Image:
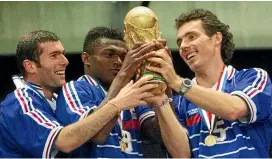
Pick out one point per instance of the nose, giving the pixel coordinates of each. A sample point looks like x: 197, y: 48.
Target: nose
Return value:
x: 118, y: 60
x: 183, y: 47
x: 64, y: 60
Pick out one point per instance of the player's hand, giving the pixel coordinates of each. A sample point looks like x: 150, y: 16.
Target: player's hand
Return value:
x: 133, y: 94
x: 155, y: 99
x: 137, y: 55
x: 166, y: 67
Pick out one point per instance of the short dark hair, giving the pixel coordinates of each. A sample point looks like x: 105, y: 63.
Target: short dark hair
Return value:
x: 211, y: 24
x: 96, y: 34
x: 28, y: 46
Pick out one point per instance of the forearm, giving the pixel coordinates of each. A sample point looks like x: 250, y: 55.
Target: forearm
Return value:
x: 173, y: 134
x: 150, y: 129
x: 116, y: 86
x: 118, y: 83
x: 74, y: 135
x: 103, y: 134
x: 221, y: 104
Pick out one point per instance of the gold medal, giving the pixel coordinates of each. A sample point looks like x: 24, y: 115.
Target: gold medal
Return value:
x: 210, y: 140
x: 123, y: 146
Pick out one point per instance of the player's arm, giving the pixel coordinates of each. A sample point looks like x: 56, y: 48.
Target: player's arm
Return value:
x: 76, y: 134
x: 130, y: 65
x: 115, y: 88
x: 221, y: 104
x: 173, y: 134
x: 77, y: 101
x: 150, y: 126
x: 244, y: 102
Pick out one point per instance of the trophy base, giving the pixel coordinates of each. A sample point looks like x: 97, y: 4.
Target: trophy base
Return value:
x: 160, y: 89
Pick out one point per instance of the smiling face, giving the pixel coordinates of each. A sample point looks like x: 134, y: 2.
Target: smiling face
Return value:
x: 106, y: 60
x: 50, y: 72
x: 195, y: 47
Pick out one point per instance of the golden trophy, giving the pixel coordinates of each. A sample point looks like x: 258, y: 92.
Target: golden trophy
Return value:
x: 141, y: 25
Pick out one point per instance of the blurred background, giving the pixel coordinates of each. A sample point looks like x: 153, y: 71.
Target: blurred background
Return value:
x: 249, y: 22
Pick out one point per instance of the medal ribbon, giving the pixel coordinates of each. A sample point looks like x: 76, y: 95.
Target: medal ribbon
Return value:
x: 209, y: 118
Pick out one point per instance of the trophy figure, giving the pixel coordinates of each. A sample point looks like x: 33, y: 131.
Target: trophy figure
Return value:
x: 141, y: 25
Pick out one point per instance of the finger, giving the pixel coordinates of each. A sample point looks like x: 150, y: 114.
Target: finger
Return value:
x: 142, y: 80
x: 137, y: 48
x: 148, y: 87
x: 168, y: 51
x: 158, y: 60
x: 162, y: 53
x: 138, y: 44
x: 154, y: 69
x: 159, y: 45
x: 146, y: 49
x: 138, y: 74
x: 145, y: 57
x: 129, y: 84
x: 162, y: 41
x: 146, y: 95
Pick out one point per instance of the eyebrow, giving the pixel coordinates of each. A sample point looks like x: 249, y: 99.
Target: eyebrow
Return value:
x: 186, y: 34
x: 57, y: 52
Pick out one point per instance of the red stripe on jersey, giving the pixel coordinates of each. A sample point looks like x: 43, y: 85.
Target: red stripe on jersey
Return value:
x: 131, y: 124
x: 70, y: 101
x: 193, y: 120
x: 50, y: 145
x: 23, y: 101
x: 260, y: 85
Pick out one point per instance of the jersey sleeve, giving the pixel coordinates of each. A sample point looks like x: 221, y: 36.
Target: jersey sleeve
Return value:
x: 29, y: 125
x: 254, y: 87
x: 76, y: 100
x: 178, y: 102
x: 143, y: 113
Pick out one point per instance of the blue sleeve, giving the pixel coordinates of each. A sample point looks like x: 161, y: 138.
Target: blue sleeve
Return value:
x: 76, y: 100
x: 178, y: 102
x: 29, y: 125
x: 254, y: 87
x: 144, y: 112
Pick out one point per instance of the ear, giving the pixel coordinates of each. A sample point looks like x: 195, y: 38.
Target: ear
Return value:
x: 85, y: 58
x: 218, y: 37
x: 30, y: 66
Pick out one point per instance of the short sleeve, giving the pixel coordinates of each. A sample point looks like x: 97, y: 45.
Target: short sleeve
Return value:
x: 143, y: 113
x: 76, y: 100
x: 29, y: 123
x: 254, y: 87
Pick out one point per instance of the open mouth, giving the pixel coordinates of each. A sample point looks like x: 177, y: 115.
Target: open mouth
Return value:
x: 60, y: 72
x: 190, y: 55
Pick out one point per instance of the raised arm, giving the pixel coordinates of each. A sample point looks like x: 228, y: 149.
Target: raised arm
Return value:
x: 74, y: 135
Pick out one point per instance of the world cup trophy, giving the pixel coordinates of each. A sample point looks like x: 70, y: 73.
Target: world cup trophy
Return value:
x: 141, y: 25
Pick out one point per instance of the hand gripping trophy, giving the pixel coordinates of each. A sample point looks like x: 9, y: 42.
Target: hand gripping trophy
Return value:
x: 141, y: 25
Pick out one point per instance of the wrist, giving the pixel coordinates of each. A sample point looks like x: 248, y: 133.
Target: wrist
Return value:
x: 117, y: 107
x: 163, y: 102
x: 122, y: 77
x: 177, y: 84
x: 185, y: 86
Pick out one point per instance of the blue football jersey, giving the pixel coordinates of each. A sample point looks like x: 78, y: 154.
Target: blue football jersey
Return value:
x: 79, y: 98
x: 28, y: 126
x: 247, y: 137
